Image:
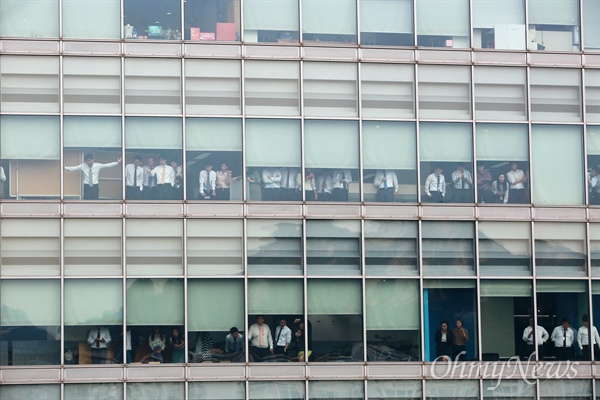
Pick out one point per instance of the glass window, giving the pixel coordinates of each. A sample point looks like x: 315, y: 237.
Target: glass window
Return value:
x: 405, y: 389
x: 508, y: 389
x: 30, y: 153
x: 595, y: 250
x: 500, y: 93
x: 92, y: 148
x: 448, y: 248
x: 92, y: 247
x: 155, y: 391
x: 388, y: 90
x: 557, y: 184
x: 30, y: 322
x: 389, y: 161
x: 554, y: 28
x: 161, y: 21
x: 274, y: 247
x: 212, y: 324
x: 271, y: 21
x: 451, y: 389
x: 560, y: 249
x: 335, y: 319
x: 336, y: 390
x: 591, y: 25
x: 91, y: 19
x: 330, y: 89
x: 391, y: 248
x: 592, y: 95
x: 444, y: 91
x: 154, y: 311
x: 213, y: 87
x: 216, y: 143
x: 216, y: 391
x: 272, y: 87
x: 333, y: 21
x: 20, y: 392
x: 593, y: 162
x: 502, y: 162
x: 154, y: 246
x: 273, y: 159
x: 92, y: 84
x: 386, y: 23
x: 209, y: 20
x: 499, y: 24
x: 214, y: 247
x: 555, y: 94
x: 504, y: 248
x: 505, y: 309
x: 104, y: 391
x: 446, y: 174
x: 334, y: 174
x: 158, y: 143
x: 579, y: 389
x: 442, y: 23
x: 152, y: 86
x: 30, y: 247
x: 392, y: 336
x: 29, y: 18
x: 29, y: 83
x: 333, y: 247
x: 93, y: 321
x: 277, y: 390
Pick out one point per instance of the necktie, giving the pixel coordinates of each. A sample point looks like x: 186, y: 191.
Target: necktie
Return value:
x: 164, y: 174
x: 565, y: 338
x: 438, y: 183
x: 385, y: 184
x: 91, y: 182
x: 262, y: 336
x: 289, y: 185
x: 98, y: 339
x: 134, y: 176
x: 278, y: 336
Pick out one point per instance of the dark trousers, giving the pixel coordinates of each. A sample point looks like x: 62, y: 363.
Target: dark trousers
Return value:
x: 563, y: 353
x: 517, y: 196
x: 530, y: 348
x: 98, y: 356
x: 291, y: 195
x: 436, y: 197
x: 456, y: 353
x: 385, y: 195
x: 280, y: 350
x: 594, y: 198
x: 461, y: 196
x: 260, y: 352
x: 339, y: 194
x: 164, y: 191
x: 223, y: 194
x: 90, y: 192
x: 133, y: 193
x: 149, y: 193
x: 271, y: 194
x: 310, y: 195
x: 325, y: 196
x: 484, y: 195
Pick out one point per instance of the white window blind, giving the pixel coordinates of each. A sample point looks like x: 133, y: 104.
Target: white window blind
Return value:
x: 444, y: 91
x: 506, y: 288
x: 443, y: 17
x: 29, y: 18
x: 272, y: 87
x: 329, y: 17
x: 273, y: 143
x: 149, y: 253
x: 152, y: 86
x: 215, y: 134
x: 591, y: 25
x: 555, y: 94
x: 500, y: 93
x: 383, y: 296
x: 30, y: 302
x: 502, y: 142
x: 593, y: 139
x: 322, y: 136
x: 92, y: 85
x: 264, y: 296
x: 592, y: 95
x: 213, y: 87
x: 93, y: 302
x: 447, y: 230
x: 83, y: 132
x: 563, y: 286
x: 386, y: 16
x: 215, y: 246
x: 29, y: 138
x: 153, y: 133
x: 271, y: 15
x: 92, y: 247
x: 445, y: 142
x: 389, y: 145
x: 215, y: 305
x: 217, y: 390
x: 388, y: 90
x: 334, y: 296
x: 330, y: 89
x: 554, y: 12
x: 490, y: 13
x: 155, y: 302
x: 91, y: 19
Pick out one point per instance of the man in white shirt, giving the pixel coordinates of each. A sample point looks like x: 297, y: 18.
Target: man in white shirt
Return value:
x: 2, y: 180
x: 98, y: 339
x: 583, y: 340
x: 165, y: 179
x: 341, y: 179
x: 291, y: 188
x: 283, y: 337
x: 91, y: 172
x: 541, y: 335
x: 435, y: 186
x: 261, y: 340
x: 325, y: 186
x: 594, y: 186
x: 516, y: 178
x: 271, y: 178
x: 149, y: 192
x: 208, y: 181
x: 462, y: 188
x: 563, y: 337
x: 134, y: 179
x: 386, y: 183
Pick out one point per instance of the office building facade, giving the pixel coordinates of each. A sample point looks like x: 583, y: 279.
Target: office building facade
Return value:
x: 369, y: 167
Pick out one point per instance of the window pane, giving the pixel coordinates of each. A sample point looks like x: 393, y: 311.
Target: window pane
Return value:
x: 333, y: 247
x: 565, y: 389
x: 91, y: 19
x: 386, y: 22
x: 212, y: 20
x: 336, y: 390
x: 555, y: 94
x: 274, y: 247
x: 92, y: 246
x: 161, y: 21
x: 271, y: 21
x: 391, y: 248
x: 277, y: 390
x: 444, y: 92
x: 154, y: 302
x: 380, y: 390
x: 155, y: 391
x: 500, y: 93
x: 508, y: 389
x: 554, y: 26
x: 448, y: 248
x: 545, y: 140
x: 272, y: 87
x: 103, y: 391
x: 261, y: 293
x: 595, y: 248
x: 591, y: 25
x: 592, y: 94
x: 499, y: 24
x: 452, y: 389
x: 29, y: 18
x: 227, y: 299
x: 442, y: 23
x: 20, y: 392
x: 154, y: 247
x: 92, y: 84
x: 152, y: 86
x: 213, y: 87
x: 214, y: 247
x: 330, y: 89
x: 560, y: 249
x: 504, y: 248
x: 216, y: 391
x: 30, y: 247
x: 388, y: 90
x: 333, y: 21
x: 29, y: 83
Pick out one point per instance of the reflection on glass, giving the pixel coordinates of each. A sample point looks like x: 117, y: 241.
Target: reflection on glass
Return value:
x: 405, y: 389
x: 216, y: 390
x: 155, y: 391
x: 210, y: 20
x: 508, y: 389
x: 271, y: 21
x: 390, y: 248
x: 107, y: 391
x: 504, y: 248
x: 444, y: 389
x: 277, y: 390
x: 442, y: 23
x: 567, y: 389
x: 336, y: 390
x: 333, y: 247
x: 448, y: 248
x: 162, y: 21
x: 554, y: 28
x: 274, y: 247
x: 20, y: 392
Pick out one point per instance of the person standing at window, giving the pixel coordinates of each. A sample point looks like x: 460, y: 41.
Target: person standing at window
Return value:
x: 98, y: 339
x: 178, y: 343
x: 460, y: 339
x: 443, y: 341
x: 386, y: 183
x: 134, y: 179
x: 223, y: 183
x: 290, y: 185
x: 500, y: 190
x: 341, y: 179
x: 177, y: 193
x: 563, y: 337
x: 149, y: 192
x: 2, y: 180
x: 593, y: 186
x: 271, y: 178
x: 254, y: 185
x: 516, y: 178
x: 588, y: 340
x: 310, y: 186
x: 435, y: 186
x: 462, y: 188
x: 541, y: 335
x: 261, y: 340
x: 283, y: 337
x: 208, y: 181
x: 165, y: 179
x: 234, y: 342
x: 484, y: 185
x: 325, y: 186
x: 157, y: 344
x: 91, y: 173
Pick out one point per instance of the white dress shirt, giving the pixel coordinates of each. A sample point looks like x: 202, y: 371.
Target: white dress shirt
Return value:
x: 149, y: 180
x: 583, y: 336
x: 593, y: 183
x: 208, y: 181
x: 285, y: 338
x: 272, y: 178
x: 96, y: 168
x: 104, y: 334
x: 513, y: 176
x: 130, y: 172
x: 338, y: 176
x: 391, y: 182
x: 255, y: 337
x: 2, y: 176
x: 169, y: 173
x: 328, y: 180
x: 431, y: 184
x: 560, y: 339
x: 289, y: 178
x: 541, y: 333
